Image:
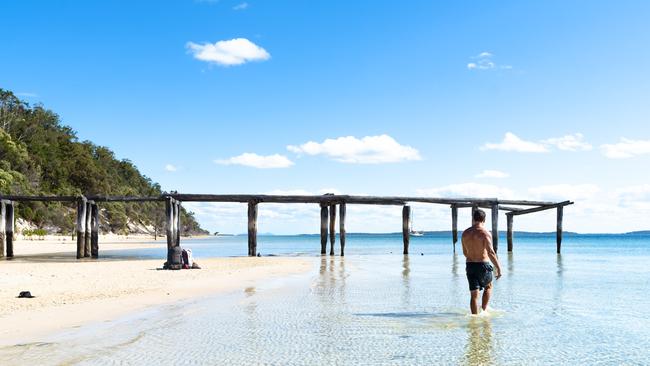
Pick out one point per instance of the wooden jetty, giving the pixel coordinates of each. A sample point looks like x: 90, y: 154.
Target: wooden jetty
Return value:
x: 87, y: 223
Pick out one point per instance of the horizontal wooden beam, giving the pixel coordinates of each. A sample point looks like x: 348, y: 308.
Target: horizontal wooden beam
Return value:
x: 125, y: 199
x: 502, y: 208
x: 41, y: 198
x: 541, y: 208
x: 320, y: 199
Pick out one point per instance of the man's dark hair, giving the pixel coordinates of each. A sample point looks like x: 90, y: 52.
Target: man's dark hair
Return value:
x: 478, y: 215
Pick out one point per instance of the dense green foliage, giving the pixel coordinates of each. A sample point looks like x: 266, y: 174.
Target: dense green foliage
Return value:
x: 40, y: 156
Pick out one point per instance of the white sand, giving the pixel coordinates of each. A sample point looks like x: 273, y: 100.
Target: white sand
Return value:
x: 70, y: 293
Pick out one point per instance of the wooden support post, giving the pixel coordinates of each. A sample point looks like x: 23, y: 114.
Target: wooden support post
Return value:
x: 94, y: 228
x: 81, y: 226
x: 323, y: 229
x: 342, y: 227
x: 495, y: 226
x: 454, y: 225
x: 332, y: 228
x: 406, y: 229
x: 9, y: 228
x: 88, y: 233
x: 252, y: 228
x: 560, y: 215
x: 3, y: 214
x: 177, y: 225
x: 169, y: 225
x: 510, y: 234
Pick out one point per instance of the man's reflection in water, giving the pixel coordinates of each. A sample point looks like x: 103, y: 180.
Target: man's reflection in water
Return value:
x: 479, y: 342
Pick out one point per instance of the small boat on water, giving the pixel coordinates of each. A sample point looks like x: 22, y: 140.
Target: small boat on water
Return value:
x: 416, y: 233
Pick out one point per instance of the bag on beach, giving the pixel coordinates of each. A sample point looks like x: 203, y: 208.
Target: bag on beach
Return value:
x: 188, y: 260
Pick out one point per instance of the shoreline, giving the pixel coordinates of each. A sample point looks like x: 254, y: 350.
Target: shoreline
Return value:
x: 70, y: 293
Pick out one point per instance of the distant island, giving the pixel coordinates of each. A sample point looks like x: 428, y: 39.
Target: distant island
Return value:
x: 41, y: 156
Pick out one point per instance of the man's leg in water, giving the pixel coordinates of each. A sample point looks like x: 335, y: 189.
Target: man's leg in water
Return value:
x: 486, y: 296
x: 473, y: 301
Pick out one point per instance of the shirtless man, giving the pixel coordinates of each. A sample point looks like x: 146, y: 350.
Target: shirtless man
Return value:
x: 477, y: 248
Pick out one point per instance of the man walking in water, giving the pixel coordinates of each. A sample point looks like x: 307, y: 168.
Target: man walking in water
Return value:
x: 478, y: 251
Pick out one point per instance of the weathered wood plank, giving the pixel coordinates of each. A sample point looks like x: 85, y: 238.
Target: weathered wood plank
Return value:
x: 169, y: 223
x: 18, y: 198
x: 94, y: 237
x: 88, y: 233
x: 9, y: 228
x: 454, y: 225
x: 81, y: 226
x: 543, y: 208
x: 3, y: 214
x: 332, y: 228
x: 342, y: 210
x: 177, y: 224
x: 509, y: 219
x: 495, y: 227
x: 560, y: 215
x: 324, y: 215
x: 252, y: 229
x: 125, y: 199
x: 406, y: 227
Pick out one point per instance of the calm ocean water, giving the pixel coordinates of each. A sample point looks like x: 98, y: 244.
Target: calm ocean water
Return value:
x: 587, y: 306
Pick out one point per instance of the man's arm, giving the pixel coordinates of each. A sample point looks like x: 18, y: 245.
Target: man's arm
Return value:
x: 492, y: 254
x: 462, y: 241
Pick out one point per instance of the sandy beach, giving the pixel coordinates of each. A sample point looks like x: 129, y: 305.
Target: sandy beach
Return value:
x: 69, y: 293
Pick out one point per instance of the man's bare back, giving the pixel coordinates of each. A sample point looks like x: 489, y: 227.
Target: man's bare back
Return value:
x: 476, y: 243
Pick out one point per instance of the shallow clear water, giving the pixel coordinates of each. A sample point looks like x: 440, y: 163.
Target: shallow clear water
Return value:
x: 587, y: 306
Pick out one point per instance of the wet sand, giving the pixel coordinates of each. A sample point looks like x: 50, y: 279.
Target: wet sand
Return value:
x: 70, y: 293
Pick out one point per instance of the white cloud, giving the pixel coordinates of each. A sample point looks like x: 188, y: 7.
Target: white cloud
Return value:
x: 562, y: 192
x: 170, y: 168
x: 242, y: 6
x: 367, y: 150
x: 573, y: 142
x: 512, y: 142
x: 626, y: 148
x: 484, y: 61
x: 634, y: 197
x: 227, y: 53
x: 257, y: 161
x: 492, y: 174
x: 462, y: 190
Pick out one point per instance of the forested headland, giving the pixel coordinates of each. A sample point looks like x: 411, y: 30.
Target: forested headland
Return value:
x: 39, y: 155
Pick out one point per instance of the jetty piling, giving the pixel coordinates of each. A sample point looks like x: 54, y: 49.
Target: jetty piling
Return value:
x: 81, y: 226
x: 324, y: 215
x: 177, y: 224
x: 88, y: 232
x: 94, y: 228
x: 332, y: 228
x: 560, y: 215
x: 252, y: 228
x: 9, y: 228
x: 3, y: 213
x: 88, y: 215
x: 169, y: 225
x: 342, y: 210
x: 406, y: 227
x: 495, y: 226
x: 454, y: 225
x: 509, y: 219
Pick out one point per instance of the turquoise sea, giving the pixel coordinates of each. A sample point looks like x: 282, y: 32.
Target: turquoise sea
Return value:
x: 375, y: 306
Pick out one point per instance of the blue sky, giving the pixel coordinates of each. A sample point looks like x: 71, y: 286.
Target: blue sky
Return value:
x: 396, y: 98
